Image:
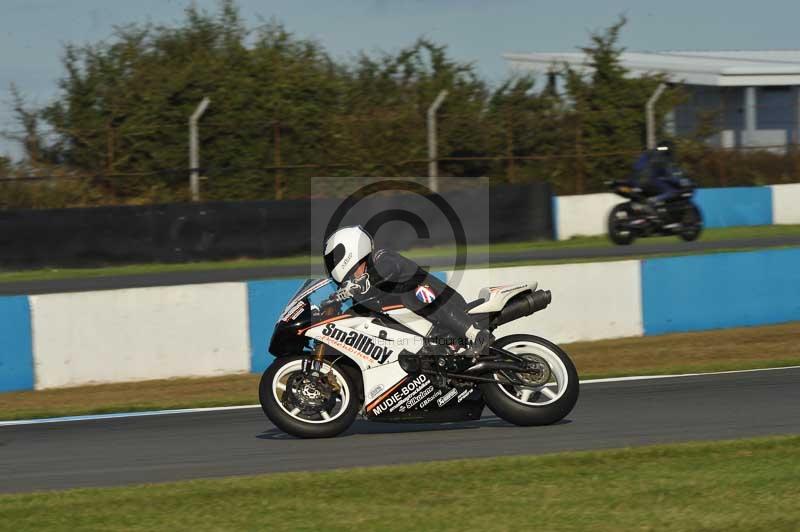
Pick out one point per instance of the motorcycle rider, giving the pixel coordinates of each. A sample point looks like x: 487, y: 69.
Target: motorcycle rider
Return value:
x: 659, y: 177
x: 382, y: 278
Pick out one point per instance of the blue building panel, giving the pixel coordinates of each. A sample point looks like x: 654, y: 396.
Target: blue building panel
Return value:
x: 720, y: 290
x: 16, y: 351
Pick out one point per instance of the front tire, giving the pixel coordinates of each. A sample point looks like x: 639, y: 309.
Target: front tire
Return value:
x: 541, y: 404
x: 619, y: 229
x: 300, y: 419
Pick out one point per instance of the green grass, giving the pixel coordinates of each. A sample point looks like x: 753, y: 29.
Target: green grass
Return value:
x: 746, y: 485
x: 577, y: 242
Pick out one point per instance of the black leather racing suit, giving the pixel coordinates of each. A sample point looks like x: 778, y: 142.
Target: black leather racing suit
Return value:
x: 396, y: 280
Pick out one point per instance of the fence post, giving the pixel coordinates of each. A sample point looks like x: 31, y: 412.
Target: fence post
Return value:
x: 194, y: 150
x: 650, y: 116
x: 433, y: 164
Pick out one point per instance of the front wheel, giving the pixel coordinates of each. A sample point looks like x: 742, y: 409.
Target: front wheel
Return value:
x: 307, y: 405
x: 619, y: 225
x: 547, y: 396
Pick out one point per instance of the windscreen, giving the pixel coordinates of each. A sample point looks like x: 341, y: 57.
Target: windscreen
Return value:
x: 314, y: 290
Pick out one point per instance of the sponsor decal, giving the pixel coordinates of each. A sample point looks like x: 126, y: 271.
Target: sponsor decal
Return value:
x: 425, y: 293
x: 463, y: 395
x: 292, y: 313
x: 295, y: 311
x: 375, y: 391
x: 506, y: 288
x: 359, y: 342
x: 446, y: 397
x: 346, y: 260
x: 430, y: 398
x: 401, y: 397
x: 511, y: 289
x: 415, y: 399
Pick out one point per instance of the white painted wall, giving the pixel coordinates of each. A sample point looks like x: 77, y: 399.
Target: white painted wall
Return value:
x: 586, y: 214
x: 786, y: 204
x: 138, y: 334
x: 591, y: 301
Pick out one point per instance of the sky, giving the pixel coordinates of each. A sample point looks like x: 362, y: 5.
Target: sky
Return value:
x: 33, y: 32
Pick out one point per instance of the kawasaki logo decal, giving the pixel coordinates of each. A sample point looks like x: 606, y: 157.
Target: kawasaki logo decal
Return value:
x: 360, y: 342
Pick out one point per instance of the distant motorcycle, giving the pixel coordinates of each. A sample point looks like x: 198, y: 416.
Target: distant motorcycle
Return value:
x: 333, y: 363
x: 635, y: 218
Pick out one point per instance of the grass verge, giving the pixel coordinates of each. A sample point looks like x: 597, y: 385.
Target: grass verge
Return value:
x: 728, y: 349
x: 728, y: 233
x: 735, y: 485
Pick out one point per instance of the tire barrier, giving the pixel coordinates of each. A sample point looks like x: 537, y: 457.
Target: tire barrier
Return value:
x: 256, y: 229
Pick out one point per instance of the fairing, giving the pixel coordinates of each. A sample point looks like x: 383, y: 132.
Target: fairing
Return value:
x: 390, y: 393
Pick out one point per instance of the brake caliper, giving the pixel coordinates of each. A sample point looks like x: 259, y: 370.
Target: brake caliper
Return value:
x: 332, y: 382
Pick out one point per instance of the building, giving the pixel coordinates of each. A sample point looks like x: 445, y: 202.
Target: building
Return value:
x: 754, y: 94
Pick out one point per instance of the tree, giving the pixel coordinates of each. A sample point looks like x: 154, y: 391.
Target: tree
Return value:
x: 283, y: 111
x: 607, y: 113
x: 526, y: 124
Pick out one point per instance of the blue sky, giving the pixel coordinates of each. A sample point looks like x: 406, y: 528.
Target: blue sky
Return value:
x: 33, y: 32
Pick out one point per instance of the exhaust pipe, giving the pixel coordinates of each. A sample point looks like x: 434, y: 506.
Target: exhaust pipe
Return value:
x: 521, y: 305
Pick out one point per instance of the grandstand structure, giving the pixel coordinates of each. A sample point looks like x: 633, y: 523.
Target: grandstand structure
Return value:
x: 754, y: 96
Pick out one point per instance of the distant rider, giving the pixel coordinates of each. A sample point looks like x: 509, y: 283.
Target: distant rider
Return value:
x: 659, y: 177
x: 384, y: 278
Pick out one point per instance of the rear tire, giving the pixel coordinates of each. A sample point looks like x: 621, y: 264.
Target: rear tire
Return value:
x: 620, y: 217
x: 271, y: 396
x: 556, y: 403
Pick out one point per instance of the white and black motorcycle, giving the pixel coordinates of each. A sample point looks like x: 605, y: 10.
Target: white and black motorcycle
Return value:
x: 332, y: 364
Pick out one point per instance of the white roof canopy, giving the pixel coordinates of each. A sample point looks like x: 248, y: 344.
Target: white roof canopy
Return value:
x: 721, y: 69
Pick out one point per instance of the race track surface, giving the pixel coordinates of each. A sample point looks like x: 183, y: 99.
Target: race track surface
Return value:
x: 242, y: 442
x: 638, y: 249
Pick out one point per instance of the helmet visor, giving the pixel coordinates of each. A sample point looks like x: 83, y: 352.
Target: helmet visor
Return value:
x: 333, y: 258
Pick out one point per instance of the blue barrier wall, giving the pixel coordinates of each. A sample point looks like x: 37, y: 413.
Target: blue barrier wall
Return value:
x: 16, y: 352
x: 554, y: 208
x: 728, y: 207
x: 721, y: 290
x: 266, y: 300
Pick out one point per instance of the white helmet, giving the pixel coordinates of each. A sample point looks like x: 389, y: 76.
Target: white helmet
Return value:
x: 344, y: 249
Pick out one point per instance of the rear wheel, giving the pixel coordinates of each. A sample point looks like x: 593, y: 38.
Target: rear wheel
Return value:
x: 305, y: 405
x: 691, y: 223
x: 549, y: 394
x: 619, y: 224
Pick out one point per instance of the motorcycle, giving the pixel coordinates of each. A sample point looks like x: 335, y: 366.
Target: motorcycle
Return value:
x: 334, y: 363
x: 636, y: 218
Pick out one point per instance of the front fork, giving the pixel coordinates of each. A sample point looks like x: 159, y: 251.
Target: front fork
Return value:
x: 319, y: 356
x: 319, y: 349
x: 313, y: 366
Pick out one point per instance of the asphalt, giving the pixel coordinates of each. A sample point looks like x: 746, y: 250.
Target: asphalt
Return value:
x: 638, y: 249
x: 243, y: 442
